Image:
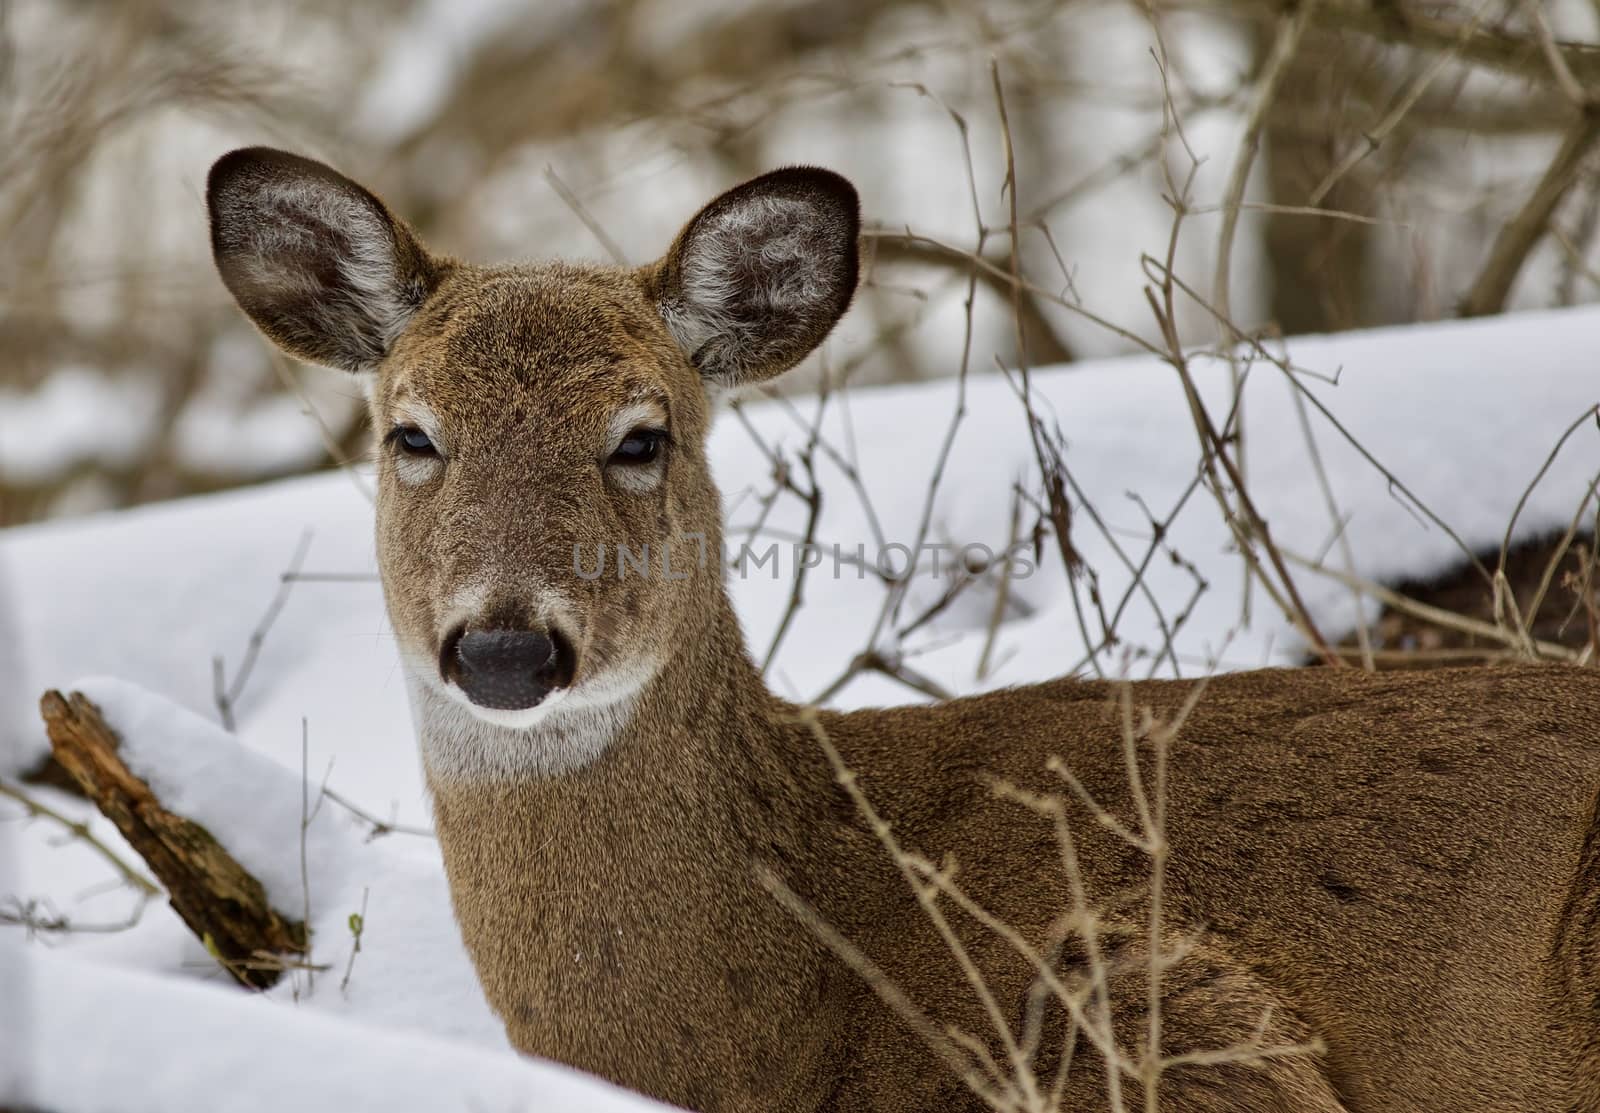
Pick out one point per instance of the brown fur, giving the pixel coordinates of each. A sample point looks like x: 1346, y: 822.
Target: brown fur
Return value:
x: 1403, y: 867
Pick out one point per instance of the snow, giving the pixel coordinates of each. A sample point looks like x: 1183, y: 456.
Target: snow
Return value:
x: 1464, y: 415
x: 93, y: 1040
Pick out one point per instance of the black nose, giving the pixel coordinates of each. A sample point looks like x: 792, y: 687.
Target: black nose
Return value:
x: 508, y: 670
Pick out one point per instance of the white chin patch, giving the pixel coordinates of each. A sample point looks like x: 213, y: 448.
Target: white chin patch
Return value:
x: 566, y: 731
x: 523, y: 718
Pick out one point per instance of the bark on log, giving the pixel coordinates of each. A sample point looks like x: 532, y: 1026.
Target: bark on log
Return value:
x: 223, y: 904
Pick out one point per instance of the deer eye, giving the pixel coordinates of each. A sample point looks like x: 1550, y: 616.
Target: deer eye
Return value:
x: 413, y: 441
x: 641, y: 446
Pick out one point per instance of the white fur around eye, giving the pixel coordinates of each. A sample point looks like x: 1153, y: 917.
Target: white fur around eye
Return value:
x: 637, y: 479
x: 414, y: 471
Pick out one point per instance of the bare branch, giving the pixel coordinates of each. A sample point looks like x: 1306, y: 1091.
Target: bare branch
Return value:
x: 1517, y: 238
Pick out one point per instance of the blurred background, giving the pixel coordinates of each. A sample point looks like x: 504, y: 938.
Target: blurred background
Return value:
x: 1407, y: 162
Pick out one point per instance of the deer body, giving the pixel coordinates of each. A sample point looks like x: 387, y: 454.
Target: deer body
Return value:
x: 1400, y: 872
x: 1411, y: 901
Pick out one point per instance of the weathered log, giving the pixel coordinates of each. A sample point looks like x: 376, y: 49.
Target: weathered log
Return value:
x: 223, y: 904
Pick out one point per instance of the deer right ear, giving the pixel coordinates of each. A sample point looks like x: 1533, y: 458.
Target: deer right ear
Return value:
x: 317, y: 262
x: 762, y: 274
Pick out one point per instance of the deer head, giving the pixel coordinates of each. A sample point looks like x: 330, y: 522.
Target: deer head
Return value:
x: 538, y: 422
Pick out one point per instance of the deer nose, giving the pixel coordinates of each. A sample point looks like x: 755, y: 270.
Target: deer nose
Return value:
x: 507, y: 670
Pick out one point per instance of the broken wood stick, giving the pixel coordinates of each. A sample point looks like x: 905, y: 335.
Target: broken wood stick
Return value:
x: 223, y: 904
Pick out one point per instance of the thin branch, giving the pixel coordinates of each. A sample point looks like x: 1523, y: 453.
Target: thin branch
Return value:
x: 1363, y: 635
x: 579, y: 210
x: 1560, y: 552
x: 380, y: 827
x: 1518, y: 237
x: 81, y: 832
x: 1416, y: 28
x: 812, y: 497
x: 225, y: 695
x: 1284, y: 48
x: 1592, y: 413
x: 358, y: 927
x: 1373, y: 139
x: 1565, y: 80
x: 305, y: 825
x: 939, y: 1042
x: 1437, y: 615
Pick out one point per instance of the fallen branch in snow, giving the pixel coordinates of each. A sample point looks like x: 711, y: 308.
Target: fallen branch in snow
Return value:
x: 223, y: 904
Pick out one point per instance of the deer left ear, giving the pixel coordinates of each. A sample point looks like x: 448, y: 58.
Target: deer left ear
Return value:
x: 317, y: 262
x: 758, y: 278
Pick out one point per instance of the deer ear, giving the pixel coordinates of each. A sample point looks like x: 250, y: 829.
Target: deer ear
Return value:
x: 317, y: 262
x: 758, y: 278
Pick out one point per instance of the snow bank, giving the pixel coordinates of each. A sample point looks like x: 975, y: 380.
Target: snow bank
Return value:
x: 412, y: 970
x: 87, y: 1039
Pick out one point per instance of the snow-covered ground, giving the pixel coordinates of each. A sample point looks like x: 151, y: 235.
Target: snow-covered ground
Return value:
x: 1463, y: 415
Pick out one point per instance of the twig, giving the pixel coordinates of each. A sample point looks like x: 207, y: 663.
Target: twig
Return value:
x: 1051, y: 466
x: 380, y: 827
x: 1373, y: 139
x: 358, y: 926
x: 1436, y: 615
x: 1253, y: 527
x: 1554, y: 563
x: 948, y: 1049
x: 1292, y: 27
x: 1301, y: 210
x: 226, y: 696
x: 1411, y: 501
x: 330, y: 578
x: 1593, y: 412
x: 81, y: 832
x: 305, y: 824
x: 1565, y: 80
x: 1002, y: 593
x: 37, y: 916
x: 812, y: 497
x: 1517, y: 237
x: 1363, y: 635
x: 330, y: 443
x: 580, y: 211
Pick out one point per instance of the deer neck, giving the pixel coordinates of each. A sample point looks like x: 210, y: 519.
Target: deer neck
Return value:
x: 611, y: 908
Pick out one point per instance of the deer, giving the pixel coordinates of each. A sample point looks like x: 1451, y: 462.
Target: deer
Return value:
x: 663, y: 872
